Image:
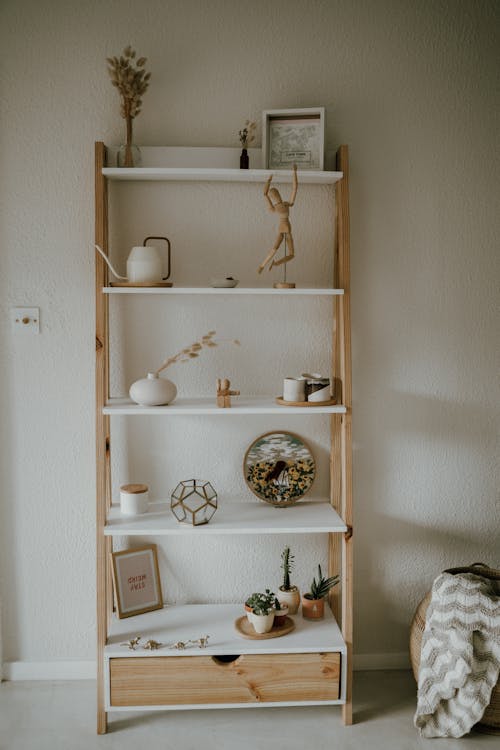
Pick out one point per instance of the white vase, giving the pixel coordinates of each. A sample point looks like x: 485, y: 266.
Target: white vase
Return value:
x: 153, y: 391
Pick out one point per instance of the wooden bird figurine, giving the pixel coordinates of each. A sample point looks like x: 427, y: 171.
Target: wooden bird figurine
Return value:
x: 224, y: 393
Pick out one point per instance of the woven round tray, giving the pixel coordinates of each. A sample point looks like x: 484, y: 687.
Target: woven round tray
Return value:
x: 490, y: 722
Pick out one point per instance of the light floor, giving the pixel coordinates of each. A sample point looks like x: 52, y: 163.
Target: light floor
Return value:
x: 60, y: 716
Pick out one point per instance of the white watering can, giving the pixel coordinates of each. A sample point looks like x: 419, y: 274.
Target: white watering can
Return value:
x: 144, y: 264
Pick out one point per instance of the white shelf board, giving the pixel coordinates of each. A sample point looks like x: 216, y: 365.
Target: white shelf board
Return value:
x: 207, y: 405
x: 310, y: 291
x: 306, y: 517
x: 218, y: 174
x: 190, y: 621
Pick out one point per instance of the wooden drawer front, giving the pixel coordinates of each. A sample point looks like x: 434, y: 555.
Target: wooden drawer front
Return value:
x: 251, y: 678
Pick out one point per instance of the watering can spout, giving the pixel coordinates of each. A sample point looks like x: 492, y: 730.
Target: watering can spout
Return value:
x: 108, y: 263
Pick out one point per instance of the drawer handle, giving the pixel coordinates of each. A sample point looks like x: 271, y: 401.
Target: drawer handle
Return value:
x: 224, y: 659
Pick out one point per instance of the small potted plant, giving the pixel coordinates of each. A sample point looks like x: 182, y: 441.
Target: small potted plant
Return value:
x: 313, y: 603
x: 288, y: 594
x: 280, y: 613
x: 262, y: 614
x: 250, y: 603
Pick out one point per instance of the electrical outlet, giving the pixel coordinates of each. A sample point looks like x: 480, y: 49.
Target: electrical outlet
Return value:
x: 25, y: 319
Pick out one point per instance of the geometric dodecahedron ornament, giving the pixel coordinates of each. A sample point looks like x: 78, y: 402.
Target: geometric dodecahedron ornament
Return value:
x: 193, y: 501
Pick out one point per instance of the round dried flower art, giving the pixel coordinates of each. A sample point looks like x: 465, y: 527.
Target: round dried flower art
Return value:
x: 279, y: 468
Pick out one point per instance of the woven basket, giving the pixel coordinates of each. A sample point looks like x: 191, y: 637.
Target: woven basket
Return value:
x: 490, y: 722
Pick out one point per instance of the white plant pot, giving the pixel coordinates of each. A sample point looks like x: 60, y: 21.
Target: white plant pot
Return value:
x: 262, y: 623
x: 290, y: 599
x: 153, y: 391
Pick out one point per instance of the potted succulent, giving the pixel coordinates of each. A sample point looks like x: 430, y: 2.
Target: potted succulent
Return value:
x: 313, y: 603
x: 250, y: 603
x: 262, y: 611
x: 288, y: 594
x: 280, y: 613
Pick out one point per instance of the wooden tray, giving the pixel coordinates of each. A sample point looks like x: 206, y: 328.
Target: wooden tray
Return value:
x: 144, y: 284
x: 281, y: 401
x: 246, y: 629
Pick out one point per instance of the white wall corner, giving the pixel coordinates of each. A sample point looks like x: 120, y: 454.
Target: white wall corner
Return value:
x: 50, y: 670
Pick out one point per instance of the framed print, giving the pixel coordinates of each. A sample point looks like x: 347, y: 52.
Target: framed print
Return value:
x: 279, y: 468
x: 136, y: 579
x: 293, y: 136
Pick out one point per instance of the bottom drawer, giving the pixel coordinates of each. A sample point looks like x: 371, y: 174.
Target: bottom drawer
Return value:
x: 249, y: 678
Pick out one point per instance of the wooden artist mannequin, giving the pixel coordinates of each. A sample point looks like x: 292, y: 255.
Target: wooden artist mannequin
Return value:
x: 282, y: 208
x: 224, y: 393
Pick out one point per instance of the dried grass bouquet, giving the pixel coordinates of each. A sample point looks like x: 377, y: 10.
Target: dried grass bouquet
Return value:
x: 129, y: 77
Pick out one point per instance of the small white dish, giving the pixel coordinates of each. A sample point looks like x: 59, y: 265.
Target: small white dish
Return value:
x: 227, y: 283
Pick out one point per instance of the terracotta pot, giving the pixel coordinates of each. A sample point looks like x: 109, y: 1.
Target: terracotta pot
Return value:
x: 313, y: 609
x: 290, y: 599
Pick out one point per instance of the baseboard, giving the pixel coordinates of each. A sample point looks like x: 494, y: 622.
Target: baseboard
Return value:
x: 86, y: 670
x: 49, y: 670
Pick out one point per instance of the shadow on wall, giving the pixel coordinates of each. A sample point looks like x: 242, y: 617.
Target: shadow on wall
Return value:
x: 8, y: 601
x: 426, y: 503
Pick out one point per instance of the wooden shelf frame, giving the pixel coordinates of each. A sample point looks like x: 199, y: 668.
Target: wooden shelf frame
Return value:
x: 340, y: 537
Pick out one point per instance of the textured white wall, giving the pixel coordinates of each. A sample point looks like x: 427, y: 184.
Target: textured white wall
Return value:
x: 412, y: 88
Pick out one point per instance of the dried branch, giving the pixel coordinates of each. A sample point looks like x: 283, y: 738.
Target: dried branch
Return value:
x: 191, y: 352
x: 247, y: 134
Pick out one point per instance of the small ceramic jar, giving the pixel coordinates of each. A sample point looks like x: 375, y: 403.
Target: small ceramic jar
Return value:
x: 134, y: 499
x: 293, y: 389
x: 318, y: 390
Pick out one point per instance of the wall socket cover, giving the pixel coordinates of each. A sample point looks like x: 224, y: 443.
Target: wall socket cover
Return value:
x: 25, y: 319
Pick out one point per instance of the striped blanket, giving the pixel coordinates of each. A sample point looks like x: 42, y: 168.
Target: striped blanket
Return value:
x: 460, y: 658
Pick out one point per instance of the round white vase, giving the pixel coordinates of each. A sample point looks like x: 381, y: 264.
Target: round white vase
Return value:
x: 153, y: 391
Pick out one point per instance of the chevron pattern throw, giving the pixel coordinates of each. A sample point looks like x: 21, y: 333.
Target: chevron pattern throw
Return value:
x: 460, y: 658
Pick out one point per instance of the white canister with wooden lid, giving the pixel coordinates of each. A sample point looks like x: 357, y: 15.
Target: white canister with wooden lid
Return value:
x: 134, y: 499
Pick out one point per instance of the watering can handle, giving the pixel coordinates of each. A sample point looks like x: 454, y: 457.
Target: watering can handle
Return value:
x: 164, y: 278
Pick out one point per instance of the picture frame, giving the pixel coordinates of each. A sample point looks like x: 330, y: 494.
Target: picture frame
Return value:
x: 136, y: 581
x: 293, y: 136
x: 279, y: 467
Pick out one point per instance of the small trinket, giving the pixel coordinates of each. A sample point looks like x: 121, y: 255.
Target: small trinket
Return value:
x: 224, y: 393
x: 201, y: 642
x: 180, y: 645
x: 132, y: 643
x: 152, y: 645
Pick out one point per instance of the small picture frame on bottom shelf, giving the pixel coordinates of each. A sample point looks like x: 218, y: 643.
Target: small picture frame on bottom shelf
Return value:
x: 136, y: 580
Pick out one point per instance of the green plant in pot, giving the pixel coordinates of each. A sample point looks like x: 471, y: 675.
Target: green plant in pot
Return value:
x: 313, y: 603
x: 251, y: 602
x: 288, y: 594
x: 280, y: 614
x: 262, y: 607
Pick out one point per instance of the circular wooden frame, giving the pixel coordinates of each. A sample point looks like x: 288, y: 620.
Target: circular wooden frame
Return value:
x: 270, y: 497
